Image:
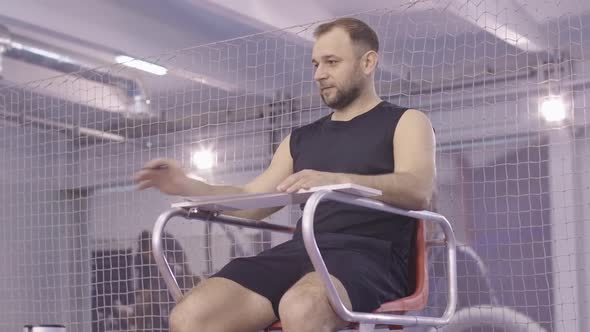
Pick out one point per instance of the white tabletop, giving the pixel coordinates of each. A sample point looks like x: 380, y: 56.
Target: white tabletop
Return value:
x: 266, y: 200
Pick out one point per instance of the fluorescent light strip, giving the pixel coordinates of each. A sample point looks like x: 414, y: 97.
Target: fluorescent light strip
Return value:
x: 141, y: 65
x: 41, y: 52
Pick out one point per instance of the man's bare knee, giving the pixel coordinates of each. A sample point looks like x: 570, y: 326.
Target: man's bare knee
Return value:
x: 298, y: 305
x: 219, y: 304
x: 305, y: 307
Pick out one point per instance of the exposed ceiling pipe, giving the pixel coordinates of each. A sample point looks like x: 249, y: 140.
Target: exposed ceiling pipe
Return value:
x: 36, y: 52
x: 69, y: 129
x: 466, y: 84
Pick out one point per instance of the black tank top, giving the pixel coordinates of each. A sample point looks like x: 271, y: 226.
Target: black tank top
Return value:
x: 362, y: 145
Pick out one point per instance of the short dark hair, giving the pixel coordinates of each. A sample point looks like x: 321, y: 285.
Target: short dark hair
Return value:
x: 358, y: 31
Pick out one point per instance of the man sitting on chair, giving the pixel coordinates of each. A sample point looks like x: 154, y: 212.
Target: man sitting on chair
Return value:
x: 364, y: 141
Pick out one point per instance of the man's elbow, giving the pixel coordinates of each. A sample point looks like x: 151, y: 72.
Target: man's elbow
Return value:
x: 421, y: 192
x: 409, y: 202
x: 425, y: 203
x: 419, y: 203
x: 422, y: 200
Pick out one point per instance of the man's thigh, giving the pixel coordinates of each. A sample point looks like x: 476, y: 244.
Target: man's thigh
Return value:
x: 226, y: 305
x: 270, y: 273
x: 311, y: 282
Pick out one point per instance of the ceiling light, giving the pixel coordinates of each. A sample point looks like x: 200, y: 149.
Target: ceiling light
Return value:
x: 553, y: 109
x: 41, y: 52
x: 203, y: 159
x: 141, y: 65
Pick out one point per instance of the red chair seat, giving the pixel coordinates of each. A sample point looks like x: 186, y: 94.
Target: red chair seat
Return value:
x: 418, y: 275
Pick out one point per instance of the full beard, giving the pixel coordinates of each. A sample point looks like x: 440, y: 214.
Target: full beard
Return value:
x: 342, y: 99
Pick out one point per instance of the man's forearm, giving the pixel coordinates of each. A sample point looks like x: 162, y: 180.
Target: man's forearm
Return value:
x: 401, y: 190
x: 192, y: 187
x: 198, y: 188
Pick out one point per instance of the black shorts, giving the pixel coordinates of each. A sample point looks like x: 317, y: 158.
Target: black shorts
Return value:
x: 371, y: 271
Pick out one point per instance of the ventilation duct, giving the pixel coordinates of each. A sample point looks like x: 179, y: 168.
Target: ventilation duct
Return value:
x: 121, y: 94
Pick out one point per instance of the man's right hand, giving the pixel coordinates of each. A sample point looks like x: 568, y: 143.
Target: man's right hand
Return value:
x: 166, y: 175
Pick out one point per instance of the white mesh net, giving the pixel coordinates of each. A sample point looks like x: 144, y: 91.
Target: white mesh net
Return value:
x: 505, y: 85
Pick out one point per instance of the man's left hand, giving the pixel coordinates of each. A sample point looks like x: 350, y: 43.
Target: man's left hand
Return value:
x: 309, y: 178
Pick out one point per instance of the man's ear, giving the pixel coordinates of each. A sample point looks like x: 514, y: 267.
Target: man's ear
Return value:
x: 369, y: 61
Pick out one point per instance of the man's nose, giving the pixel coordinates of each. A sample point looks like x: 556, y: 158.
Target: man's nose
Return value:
x: 319, y: 74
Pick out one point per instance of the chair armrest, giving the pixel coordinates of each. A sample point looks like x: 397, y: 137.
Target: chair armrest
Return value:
x: 378, y: 318
x: 158, y: 250
x: 204, y: 216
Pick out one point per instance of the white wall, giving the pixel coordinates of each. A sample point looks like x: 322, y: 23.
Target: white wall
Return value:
x: 38, y: 230
x: 581, y: 208
x: 583, y: 217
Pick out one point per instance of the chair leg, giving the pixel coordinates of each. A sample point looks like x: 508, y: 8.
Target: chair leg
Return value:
x: 366, y: 327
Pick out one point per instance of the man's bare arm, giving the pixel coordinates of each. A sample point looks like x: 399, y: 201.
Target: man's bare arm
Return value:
x: 169, y: 178
x: 413, y: 181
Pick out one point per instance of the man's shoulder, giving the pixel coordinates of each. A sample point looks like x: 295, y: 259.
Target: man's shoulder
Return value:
x: 399, y: 111
x: 414, y: 118
x: 388, y: 106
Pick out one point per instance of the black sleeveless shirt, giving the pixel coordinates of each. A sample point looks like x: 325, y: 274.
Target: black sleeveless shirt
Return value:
x: 362, y: 145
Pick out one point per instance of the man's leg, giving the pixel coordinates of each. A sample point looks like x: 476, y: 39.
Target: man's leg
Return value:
x: 305, y: 306
x: 221, y: 305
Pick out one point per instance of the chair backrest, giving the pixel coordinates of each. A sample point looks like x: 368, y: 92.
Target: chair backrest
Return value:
x: 417, y: 275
